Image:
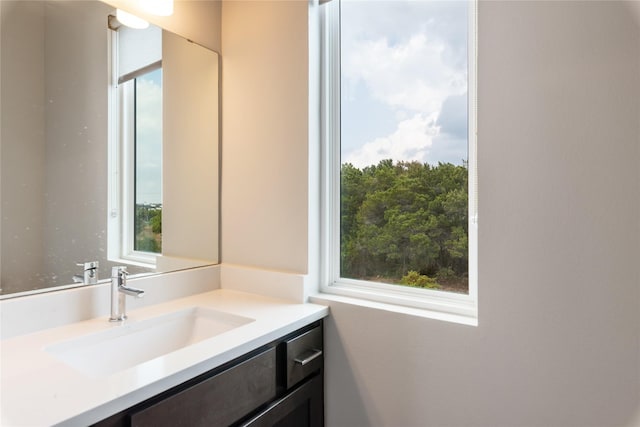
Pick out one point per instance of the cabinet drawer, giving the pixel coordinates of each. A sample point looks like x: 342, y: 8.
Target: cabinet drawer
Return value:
x: 304, y: 355
x: 303, y: 407
x: 219, y: 400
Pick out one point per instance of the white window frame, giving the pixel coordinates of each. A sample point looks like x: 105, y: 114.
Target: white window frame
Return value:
x: 440, y: 303
x: 121, y: 183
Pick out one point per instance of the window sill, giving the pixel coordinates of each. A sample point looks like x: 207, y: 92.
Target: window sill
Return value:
x: 143, y: 262
x: 327, y: 298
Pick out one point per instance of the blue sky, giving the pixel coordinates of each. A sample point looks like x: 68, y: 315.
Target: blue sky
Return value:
x: 404, y: 81
x: 149, y: 138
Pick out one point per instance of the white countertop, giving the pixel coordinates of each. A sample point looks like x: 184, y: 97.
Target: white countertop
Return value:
x: 37, y: 389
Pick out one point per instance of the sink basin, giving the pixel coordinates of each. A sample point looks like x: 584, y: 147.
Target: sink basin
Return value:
x: 132, y: 343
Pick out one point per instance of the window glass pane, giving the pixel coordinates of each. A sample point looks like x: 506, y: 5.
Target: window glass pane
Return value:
x: 148, y: 162
x: 404, y: 120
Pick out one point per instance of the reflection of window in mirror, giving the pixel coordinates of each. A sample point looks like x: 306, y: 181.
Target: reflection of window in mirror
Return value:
x: 135, y: 148
x: 147, y: 185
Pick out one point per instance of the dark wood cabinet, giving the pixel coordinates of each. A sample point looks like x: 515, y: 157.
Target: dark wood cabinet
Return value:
x: 302, y: 407
x: 217, y: 401
x: 280, y: 384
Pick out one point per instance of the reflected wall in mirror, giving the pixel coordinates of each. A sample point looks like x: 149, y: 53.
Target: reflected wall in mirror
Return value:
x: 58, y: 205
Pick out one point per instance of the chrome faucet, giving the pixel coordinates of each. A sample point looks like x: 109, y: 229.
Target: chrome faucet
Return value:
x: 90, y: 270
x: 119, y: 291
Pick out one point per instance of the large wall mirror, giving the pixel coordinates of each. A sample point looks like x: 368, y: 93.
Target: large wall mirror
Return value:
x: 80, y: 183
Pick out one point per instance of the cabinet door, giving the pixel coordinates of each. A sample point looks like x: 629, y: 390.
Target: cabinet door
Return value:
x: 302, y: 407
x: 216, y: 401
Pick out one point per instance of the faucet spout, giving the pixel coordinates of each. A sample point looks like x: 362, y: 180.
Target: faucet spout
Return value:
x: 119, y: 290
x: 133, y: 292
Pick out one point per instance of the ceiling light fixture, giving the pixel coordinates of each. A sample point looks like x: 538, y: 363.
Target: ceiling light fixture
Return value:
x: 130, y: 20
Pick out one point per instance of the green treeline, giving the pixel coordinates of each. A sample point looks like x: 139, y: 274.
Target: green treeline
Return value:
x: 148, y: 228
x: 405, y: 223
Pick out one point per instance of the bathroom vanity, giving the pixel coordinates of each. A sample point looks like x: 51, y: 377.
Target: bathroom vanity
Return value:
x: 222, y: 357
x: 278, y: 384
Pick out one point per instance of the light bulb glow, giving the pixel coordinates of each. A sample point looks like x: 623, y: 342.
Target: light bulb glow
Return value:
x: 130, y: 20
x: 157, y: 7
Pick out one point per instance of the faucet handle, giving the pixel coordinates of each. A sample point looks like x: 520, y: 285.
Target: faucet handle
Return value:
x: 88, y: 265
x: 119, y: 271
x: 119, y: 274
x: 90, y: 273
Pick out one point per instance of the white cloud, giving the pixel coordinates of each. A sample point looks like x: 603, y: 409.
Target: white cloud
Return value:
x: 411, y: 141
x: 149, y: 108
x: 149, y: 145
x: 411, y: 75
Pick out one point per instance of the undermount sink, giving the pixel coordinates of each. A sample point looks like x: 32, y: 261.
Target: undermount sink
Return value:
x: 132, y: 343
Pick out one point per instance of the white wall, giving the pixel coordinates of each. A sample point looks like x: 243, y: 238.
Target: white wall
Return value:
x: 559, y: 128
x: 264, y: 134
x: 189, y: 152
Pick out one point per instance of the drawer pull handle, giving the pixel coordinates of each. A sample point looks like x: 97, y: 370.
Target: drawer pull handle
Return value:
x: 314, y: 355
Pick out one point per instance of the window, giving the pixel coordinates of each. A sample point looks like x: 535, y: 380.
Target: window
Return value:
x: 147, y: 146
x: 400, y: 158
x: 135, y: 148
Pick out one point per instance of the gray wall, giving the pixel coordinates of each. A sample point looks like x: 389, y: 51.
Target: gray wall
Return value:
x: 23, y: 142
x: 559, y: 128
x: 53, y: 158
x: 76, y: 81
